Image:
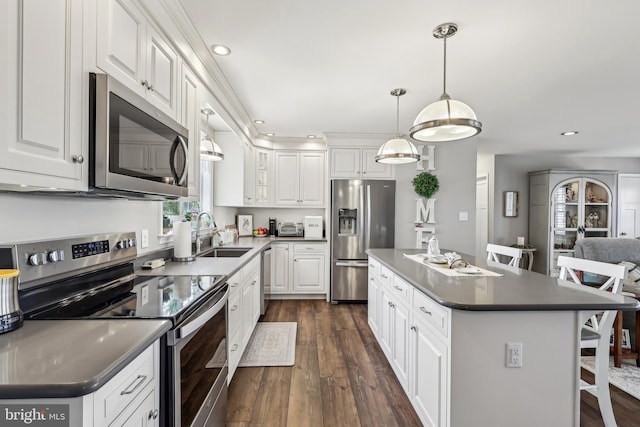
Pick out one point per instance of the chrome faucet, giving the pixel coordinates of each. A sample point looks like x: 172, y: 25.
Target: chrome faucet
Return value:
x: 213, y: 224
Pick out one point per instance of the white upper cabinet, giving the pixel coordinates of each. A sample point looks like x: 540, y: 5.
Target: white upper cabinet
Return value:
x: 357, y: 163
x: 249, y: 185
x: 130, y: 49
x: 191, y: 119
x: 264, y: 177
x: 299, y: 178
x: 229, y: 174
x: 43, y: 88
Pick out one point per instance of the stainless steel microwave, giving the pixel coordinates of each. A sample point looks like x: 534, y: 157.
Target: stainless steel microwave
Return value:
x: 135, y: 150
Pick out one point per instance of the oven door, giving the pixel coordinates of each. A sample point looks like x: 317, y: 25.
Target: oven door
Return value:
x: 198, y: 365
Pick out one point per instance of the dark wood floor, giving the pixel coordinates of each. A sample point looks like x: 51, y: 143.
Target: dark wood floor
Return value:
x: 342, y: 378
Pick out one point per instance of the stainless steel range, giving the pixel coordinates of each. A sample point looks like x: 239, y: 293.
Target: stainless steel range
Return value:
x: 93, y: 277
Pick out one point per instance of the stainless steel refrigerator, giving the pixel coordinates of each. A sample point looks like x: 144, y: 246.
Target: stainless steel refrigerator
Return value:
x: 362, y: 217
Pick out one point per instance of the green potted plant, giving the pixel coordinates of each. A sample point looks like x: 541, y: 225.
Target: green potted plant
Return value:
x: 425, y: 184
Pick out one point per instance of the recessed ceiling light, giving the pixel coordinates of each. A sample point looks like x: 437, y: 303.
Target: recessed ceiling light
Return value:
x: 311, y: 136
x: 258, y: 122
x: 569, y: 133
x: 271, y: 134
x: 220, y: 49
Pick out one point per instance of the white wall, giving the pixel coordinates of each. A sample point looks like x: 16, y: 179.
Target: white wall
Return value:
x: 27, y: 217
x: 456, y: 171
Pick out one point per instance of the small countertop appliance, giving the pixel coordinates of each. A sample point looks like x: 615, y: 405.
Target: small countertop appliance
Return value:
x: 312, y: 227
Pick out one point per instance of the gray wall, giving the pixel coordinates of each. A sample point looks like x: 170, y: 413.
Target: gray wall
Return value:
x: 510, y: 174
x: 456, y: 172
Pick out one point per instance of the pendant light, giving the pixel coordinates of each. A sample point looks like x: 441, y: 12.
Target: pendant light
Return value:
x: 209, y: 150
x: 397, y: 150
x: 445, y: 119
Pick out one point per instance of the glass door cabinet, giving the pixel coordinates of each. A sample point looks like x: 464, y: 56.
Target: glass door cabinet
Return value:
x: 580, y: 207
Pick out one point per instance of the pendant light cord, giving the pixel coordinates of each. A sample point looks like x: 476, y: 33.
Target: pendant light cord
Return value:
x: 398, y: 116
x: 444, y: 78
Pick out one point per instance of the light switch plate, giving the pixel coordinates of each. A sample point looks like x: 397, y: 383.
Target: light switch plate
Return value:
x: 145, y: 239
x: 463, y: 216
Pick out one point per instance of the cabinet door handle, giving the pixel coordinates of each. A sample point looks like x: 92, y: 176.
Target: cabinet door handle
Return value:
x: 235, y: 307
x: 140, y: 379
x: 397, y: 287
x: 424, y: 310
x: 153, y: 414
x: 235, y: 347
x: 413, y: 328
x: 77, y: 158
x: 234, y: 285
x: 253, y: 283
x: 145, y: 83
x: 383, y: 276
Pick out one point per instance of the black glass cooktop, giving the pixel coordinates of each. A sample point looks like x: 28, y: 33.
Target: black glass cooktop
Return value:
x: 167, y: 297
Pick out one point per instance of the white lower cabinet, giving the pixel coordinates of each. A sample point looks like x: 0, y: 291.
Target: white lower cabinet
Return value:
x: 413, y: 332
x: 298, y: 268
x: 132, y: 397
x: 428, y: 370
x: 374, y: 306
x: 243, y: 311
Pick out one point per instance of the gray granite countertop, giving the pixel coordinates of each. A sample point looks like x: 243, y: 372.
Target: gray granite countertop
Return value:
x: 70, y: 358
x: 202, y: 266
x: 517, y: 289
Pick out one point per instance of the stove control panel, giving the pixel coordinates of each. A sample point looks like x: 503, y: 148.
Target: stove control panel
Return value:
x: 41, y: 262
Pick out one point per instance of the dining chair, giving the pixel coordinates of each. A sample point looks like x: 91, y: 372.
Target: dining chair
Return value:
x: 493, y: 252
x: 596, y: 331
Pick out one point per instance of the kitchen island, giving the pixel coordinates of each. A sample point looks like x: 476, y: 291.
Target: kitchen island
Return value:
x: 447, y: 340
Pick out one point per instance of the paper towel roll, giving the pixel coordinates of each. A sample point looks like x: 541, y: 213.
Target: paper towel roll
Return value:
x: 182, y: 239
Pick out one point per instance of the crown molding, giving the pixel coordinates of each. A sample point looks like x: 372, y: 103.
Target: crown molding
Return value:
x: 179, y: 28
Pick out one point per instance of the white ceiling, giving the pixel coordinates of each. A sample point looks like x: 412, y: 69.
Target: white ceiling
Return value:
x: 529, y: 69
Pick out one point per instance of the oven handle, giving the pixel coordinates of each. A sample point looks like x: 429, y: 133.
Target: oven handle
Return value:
x: 199, y: 321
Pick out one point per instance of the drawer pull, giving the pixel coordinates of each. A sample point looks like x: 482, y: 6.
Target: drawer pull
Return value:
x: 397, y: 287
x: 140, y: 380
x: 424, y: 310
x: 383, y: 276
x: 235, y: 347
x: 234, y: 284
x: 253, y: 283
x: 391, y: 304
x: 153, y: 414
x: 235, y: 307
x: 413, y: 328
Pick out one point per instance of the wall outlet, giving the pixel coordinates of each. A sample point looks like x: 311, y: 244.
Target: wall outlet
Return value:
x: 514, y: 355
x: 144, y: 236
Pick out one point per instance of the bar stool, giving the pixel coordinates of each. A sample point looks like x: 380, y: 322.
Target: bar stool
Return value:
x: 596, y: 332
x: 494, y: 250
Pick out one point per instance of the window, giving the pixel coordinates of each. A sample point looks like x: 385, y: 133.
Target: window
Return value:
x: 181, y: 210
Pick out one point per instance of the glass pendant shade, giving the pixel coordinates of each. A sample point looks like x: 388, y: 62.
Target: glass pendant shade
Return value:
x: 445, y: 120
x: 397, y: 151
x: 209, y: 150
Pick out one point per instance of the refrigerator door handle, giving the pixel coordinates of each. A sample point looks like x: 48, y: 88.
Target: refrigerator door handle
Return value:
x: 368, y: 231
x: 361, y: 221
x: 352, y: 264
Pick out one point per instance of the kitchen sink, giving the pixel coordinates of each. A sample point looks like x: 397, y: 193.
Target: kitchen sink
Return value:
x: 226, y: 252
